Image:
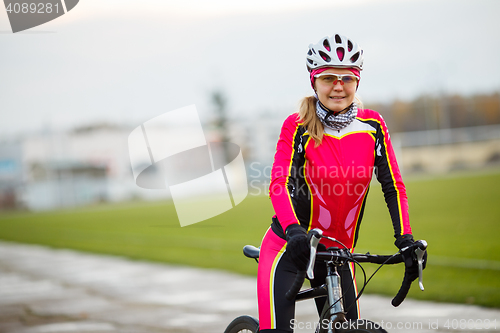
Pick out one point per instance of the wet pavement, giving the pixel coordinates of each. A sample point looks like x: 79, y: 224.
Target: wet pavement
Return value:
x: 44, y: 290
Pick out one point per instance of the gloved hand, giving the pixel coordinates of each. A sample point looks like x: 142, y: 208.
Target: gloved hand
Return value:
x: 297, y: 246
x: 410, y: 259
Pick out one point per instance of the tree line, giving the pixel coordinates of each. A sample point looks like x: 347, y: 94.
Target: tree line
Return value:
x: 438, y: 112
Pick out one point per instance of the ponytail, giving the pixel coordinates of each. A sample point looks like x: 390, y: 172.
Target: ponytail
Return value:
x: 307, y: 114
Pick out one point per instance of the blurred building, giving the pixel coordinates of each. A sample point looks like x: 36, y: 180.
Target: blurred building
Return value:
x: 51, y: 170
x: 448, y: 150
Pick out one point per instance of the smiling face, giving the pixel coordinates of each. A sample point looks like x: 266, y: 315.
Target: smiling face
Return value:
x: 338, y: 96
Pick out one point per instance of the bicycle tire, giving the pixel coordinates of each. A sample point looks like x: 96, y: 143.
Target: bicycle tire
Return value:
x: 362, y: 326
x: 243, y: 324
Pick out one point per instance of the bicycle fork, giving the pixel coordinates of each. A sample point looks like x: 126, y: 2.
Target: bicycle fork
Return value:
x: 334, y: 297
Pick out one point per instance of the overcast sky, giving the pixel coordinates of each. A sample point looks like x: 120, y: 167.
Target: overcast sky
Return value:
x: 127, y: 61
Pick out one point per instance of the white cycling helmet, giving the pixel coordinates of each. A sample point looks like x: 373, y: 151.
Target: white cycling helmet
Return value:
x: 334, y: 51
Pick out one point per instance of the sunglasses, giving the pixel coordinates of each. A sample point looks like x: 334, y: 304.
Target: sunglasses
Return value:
x: 332, y: 79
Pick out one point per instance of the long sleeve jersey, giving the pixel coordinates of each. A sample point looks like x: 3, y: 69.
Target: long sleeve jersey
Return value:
x: 326, y: 186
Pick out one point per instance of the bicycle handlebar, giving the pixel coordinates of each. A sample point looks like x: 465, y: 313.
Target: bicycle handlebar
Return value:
x: 419, y: 248
x: 403, y: 291
x: 297, y: 284
x: 316, y: 234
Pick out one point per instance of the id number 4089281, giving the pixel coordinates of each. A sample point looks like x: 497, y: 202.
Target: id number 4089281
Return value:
x: 38, y: 8
x: 456, y: 324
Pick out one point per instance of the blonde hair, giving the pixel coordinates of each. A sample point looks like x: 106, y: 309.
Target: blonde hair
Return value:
x: 311, y: 122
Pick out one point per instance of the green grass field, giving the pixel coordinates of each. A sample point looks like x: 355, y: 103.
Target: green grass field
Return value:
x: 459, y: 217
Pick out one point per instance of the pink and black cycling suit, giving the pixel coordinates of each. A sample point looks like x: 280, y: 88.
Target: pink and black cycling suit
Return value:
x: 324, y: 187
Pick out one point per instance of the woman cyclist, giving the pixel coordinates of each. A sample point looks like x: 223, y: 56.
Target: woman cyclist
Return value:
x: 325, y: 157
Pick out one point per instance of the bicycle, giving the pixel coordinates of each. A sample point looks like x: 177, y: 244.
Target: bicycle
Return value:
x: 333, y: 311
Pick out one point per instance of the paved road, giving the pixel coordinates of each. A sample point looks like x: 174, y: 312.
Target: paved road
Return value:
x: 43, y: 290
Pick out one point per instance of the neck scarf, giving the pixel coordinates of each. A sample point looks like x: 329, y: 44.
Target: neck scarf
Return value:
x: 339, y: 121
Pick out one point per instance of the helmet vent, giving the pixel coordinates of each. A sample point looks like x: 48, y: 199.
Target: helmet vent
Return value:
x: 310, y: 52
x: 340, y: 53
x: 338, y: 40
x: 326, y: 44
x: 310, y: 61
x: 355, y: 57
x: 325, y: 56
x: 349, y: 46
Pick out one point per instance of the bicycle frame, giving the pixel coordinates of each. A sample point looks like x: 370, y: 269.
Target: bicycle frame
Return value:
x: 332, y: 288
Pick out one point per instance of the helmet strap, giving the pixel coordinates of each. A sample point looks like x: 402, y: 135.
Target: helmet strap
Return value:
x: 330, y: 112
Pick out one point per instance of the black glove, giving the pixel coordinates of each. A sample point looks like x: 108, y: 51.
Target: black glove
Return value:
x: 409, y: 256
x: 297, y: 246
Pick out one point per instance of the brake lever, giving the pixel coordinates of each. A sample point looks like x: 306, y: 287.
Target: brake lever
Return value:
x: 316, y: 235
x: 420, y: 260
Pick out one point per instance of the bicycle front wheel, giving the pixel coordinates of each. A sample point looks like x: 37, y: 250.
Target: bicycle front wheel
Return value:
x: 243, y: 324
